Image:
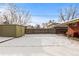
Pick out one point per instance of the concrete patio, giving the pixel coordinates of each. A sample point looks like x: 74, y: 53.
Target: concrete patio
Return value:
x: 40, y: 45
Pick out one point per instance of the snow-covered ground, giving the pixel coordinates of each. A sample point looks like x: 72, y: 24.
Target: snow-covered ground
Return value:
x: 40, y: 44
x: 5, y: 38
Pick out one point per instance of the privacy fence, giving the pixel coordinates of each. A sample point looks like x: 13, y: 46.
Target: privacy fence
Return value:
x: 55, y: 30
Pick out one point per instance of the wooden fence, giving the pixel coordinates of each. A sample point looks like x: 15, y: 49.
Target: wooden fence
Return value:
x: 56, y: 30
x: 39, y: 31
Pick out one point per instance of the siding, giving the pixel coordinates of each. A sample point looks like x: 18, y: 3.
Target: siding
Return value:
x: 11, y: 30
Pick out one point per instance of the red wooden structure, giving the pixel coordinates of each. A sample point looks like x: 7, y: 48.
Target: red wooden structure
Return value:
x: 73, y: 28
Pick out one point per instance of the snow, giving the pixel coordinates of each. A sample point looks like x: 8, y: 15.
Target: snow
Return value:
x: 4, y: 38
x: 40, y: 44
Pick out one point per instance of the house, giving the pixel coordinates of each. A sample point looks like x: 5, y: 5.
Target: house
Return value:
x: 73, y: 28
x: 49, y: 24
x: 56, y: 27
x: 37, y: 26
x: 60, y: 28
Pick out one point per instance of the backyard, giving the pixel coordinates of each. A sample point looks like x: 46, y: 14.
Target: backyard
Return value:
x: 40, y: 44
x: 38, y: 29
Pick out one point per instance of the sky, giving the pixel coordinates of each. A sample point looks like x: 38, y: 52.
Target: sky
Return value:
x: 43, y: 12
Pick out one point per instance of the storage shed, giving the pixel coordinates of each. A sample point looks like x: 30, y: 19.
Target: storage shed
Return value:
x: 12, y: 30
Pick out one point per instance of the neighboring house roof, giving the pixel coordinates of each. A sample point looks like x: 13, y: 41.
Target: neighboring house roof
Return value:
x: 60, y: 25
x: 72, y: 21
x: 50, y: 24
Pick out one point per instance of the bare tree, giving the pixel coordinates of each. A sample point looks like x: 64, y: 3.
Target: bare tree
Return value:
x: 24, y: 16
x: 67, y: 14
x: 6, y: 20
x: 16, y: 15
x: 37, y: 26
